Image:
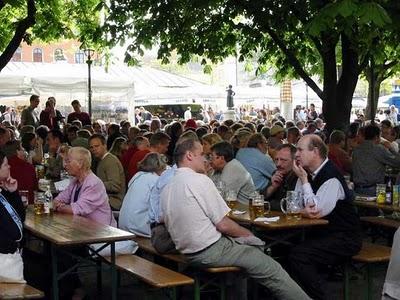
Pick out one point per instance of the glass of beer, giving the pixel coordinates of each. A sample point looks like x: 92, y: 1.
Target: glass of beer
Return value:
x: 221, y: 187
x: 39, y: 171
x: 38, y: 205
x: 258, y: 206
x: 231, y: 199
x: 294, y: 205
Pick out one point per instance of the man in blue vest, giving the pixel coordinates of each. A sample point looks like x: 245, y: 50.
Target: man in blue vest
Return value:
x: 327, y: 196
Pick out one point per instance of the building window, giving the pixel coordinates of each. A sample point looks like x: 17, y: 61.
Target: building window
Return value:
x: 37, y: 55
x: 59, y: 55
x: 17, y: 55
x: 79, y: 57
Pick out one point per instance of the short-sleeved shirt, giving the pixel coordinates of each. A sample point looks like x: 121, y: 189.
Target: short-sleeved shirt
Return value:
x: 192, y: 206
x: 237, y: 179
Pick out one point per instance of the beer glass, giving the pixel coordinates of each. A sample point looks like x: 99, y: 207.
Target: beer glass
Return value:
x: 231, y: 199
x: 258, y: 206
x: 294, y: 205
x: 38, y: 204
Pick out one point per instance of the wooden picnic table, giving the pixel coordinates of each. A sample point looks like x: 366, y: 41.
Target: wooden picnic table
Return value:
x: 374, y: 205
x: 63, y: 230
x: 281, y: 224
x: 382, y: 221
x: 276, y: 232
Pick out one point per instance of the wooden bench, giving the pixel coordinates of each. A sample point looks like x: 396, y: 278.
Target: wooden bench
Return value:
x: 369, y: 255
x: 19, y: 291
x: 380, y: 221
x: 151, y: 273
x: 146, y: 246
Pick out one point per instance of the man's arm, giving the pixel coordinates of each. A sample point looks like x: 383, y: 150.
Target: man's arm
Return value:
x: 231, y: 228
x: 276, y: 182
x: 388, y: 157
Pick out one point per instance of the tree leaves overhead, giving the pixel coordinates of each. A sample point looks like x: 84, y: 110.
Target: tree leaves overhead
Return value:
x: 50, y: 20
x: 300, y: 38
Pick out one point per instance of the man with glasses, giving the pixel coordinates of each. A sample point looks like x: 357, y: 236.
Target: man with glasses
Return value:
x: 231, y: 172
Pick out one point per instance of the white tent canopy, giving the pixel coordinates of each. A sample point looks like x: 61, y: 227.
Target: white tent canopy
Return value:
x: 131, y: 86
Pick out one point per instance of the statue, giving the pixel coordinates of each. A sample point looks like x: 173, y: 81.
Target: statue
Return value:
x: 229, y: 97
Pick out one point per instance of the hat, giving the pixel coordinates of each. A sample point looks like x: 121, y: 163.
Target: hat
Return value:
x: 191, y: 124
x: 276, y: 129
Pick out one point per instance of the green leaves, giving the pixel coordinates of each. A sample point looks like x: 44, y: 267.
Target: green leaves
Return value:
x: 55, y: 19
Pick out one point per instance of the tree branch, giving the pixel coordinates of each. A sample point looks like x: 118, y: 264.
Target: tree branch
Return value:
x: 302, y: 20
x: 20, y: 31
x: 390, y: 65
x: 295, y: 63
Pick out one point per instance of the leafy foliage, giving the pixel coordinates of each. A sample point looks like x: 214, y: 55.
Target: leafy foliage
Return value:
x: 301, y: 38
x: 48, y: 20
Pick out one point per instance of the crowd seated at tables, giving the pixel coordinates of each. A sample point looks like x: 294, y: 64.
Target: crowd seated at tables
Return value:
x: 162, y: 178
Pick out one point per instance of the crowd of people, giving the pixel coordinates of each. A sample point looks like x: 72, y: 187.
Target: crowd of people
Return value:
x: 165, y: 181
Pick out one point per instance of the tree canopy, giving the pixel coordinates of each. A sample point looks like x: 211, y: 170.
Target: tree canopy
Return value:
x: 47, y: 20
x: 334, y: 39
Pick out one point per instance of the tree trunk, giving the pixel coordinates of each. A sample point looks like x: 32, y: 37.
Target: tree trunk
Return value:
x: 337, y: 104
x: 19, y: 34
x: 372, y: 102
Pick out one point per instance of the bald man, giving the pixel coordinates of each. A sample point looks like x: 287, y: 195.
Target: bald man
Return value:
x: 326, y: 196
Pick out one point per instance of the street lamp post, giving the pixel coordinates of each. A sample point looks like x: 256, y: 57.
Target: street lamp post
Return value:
x: 89, y: 53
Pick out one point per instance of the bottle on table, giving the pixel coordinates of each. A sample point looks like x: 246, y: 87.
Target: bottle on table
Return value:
x: 389, y: 192
x: 48, y: 201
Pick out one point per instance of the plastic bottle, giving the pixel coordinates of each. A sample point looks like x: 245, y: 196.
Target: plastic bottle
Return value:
x: 389, y: 193
x: 48, y: 201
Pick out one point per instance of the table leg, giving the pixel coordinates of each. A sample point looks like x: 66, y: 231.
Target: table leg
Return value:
x: 113, y: 273
x: 54, y: 273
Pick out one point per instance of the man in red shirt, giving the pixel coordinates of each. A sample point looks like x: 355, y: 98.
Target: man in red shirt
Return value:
x: 20, y: 169
x: 158, y: 143
x: 78, y: 114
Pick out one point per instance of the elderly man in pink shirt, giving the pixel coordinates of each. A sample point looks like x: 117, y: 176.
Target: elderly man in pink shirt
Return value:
x: 86, y: 195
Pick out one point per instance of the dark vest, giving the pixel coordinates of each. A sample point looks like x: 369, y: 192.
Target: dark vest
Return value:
x: 344, y: 217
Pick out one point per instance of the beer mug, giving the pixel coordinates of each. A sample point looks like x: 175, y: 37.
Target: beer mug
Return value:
x: 231, y: 199
x: 294, y: 205
x: 40, y: 171
x: 38, y: 204
x: 221, y: 187
x: 258, y: 206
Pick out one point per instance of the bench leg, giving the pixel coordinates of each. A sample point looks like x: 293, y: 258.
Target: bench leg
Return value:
x: 99, y: 277
x: 173, y: 293
x: 196, y: 288
x: 346, y: 285
x: 369, y: 281
x: 222, y: 287
x: 54, y: 272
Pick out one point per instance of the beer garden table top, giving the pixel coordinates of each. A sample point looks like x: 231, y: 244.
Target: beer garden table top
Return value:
x: 282, y: 223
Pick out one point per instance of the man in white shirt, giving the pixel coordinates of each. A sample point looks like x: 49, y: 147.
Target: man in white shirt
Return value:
x: 196, y: 217
x: 327, y: 196
x: 188, y: 114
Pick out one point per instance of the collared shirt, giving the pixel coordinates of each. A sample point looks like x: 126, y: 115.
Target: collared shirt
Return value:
x: 192, y: 207
x: 370, y: 161
x: 154, y: 208
x: 327, y: 195
x: 134, y: 213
